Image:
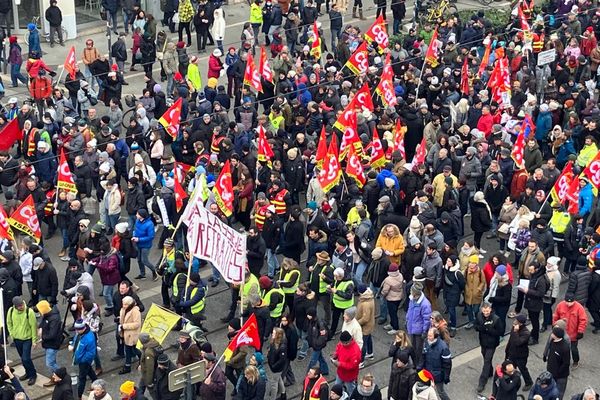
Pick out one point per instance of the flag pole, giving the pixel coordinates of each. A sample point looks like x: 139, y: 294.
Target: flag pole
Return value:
x: 3, y: 325
x: 242, y: 296
x: 217, y: 363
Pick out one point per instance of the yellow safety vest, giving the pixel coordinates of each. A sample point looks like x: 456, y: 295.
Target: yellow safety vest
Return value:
x: 288, y: 278
x: 279, y: 203
x: 175, y: 286
x: 247, y: 286
x: 277, y: 311
x: 322, y: 283
x: 559, y: 221
x: 338, y: 301
x: 199, y: 306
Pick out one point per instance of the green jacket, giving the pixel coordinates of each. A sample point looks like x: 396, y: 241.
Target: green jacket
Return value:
x: 256, y: 15
x: 22, y: 325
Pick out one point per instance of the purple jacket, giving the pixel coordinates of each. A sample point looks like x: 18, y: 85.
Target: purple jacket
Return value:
x: 417, y: 317
x: 14, y: 56
x: 108, y: 267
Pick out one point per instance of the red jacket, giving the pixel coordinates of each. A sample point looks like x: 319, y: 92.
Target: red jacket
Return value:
x: 348, y: 357
x: 34, y: 66
x: 485, y: 124
x: 574, y: 315
x: 488, y: 272
x: 214, y: 67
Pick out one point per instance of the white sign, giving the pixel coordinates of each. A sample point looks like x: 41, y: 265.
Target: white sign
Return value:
x: 210, y: 239
x: 546, y: 57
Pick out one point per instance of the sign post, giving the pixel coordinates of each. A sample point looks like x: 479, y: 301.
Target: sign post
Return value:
x: 186, y: 377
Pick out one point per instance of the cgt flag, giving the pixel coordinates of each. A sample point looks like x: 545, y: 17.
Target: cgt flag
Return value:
x: 378, y: 34
x: 315, y: 50
x: 561, y: 187
x: 399, y: 133
x: 171, y: 119
x: 321, y: 148
x: 65, y: 178
x: 265, y: 152
x: 223, y: 190
x: 25, y: 219
x: 263, y: 66
x: 363, y: 98
x: 252, y: 75
x: 71, y: 62
x: 377, y: 154
x: 358, y: 62
x: 592, y: 171
x: 5, y: 229
x: 10, y: 135
x: 180, y: 195
x: 246, y: 336
x: 354, y: 168
x: 518, y: 149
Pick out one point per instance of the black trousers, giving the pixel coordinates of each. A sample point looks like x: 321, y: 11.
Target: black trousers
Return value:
x: 488, y: 370
x: 521, y: 364
x: 186, y: 26
x: 575, y: 351
x: 534, y: 317
x: 85, y: 370
x: 336, y: 314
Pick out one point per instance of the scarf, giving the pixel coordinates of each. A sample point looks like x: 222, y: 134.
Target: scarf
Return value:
x: 365, y: 392
x: 493, y: 288
x: 467, y: 252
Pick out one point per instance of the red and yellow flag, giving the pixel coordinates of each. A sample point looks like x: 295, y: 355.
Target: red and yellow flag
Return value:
x: 385, y: 89
x: 321, y: 148
x: 71, y: 62
x: 358, y: 62
x: 315, y: 50
x: 518, y: 149
x: 330, y: 175
x: 265, y: 152
x: 5, y: 229
x: 65, y: 178
x: 263, y: 66
x: 251, y: 75
x: 246, y: 336
x: 399, y: 132
x: 223, y: 190
x: 354, y: 168
x: 431, y: 56
x: 171, y: 118
x: 25, y: 219
x: 180, y: 194
x: 363, y: 98
x: 377, y: 33
x: 377, y: 153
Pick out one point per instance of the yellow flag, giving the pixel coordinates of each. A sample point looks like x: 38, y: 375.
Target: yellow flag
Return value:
x: 158, y: 323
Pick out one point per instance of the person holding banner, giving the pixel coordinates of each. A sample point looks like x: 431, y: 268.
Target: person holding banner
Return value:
x: 193, y: 300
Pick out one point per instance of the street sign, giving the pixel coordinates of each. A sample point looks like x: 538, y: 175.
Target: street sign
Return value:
x: 546, y: 57
x: 190, y: 374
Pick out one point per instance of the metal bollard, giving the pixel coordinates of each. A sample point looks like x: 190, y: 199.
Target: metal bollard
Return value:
x: 74, y: 383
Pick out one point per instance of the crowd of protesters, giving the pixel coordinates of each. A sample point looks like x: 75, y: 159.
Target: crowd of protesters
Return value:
x: 393, y: 252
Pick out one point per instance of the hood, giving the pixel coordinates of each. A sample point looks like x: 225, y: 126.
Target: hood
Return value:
x: 367, y: 295
x: 171, y: 46
x: 218, y: 13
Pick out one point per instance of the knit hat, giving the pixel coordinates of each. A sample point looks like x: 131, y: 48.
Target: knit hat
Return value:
x: 43, y: 307
x: 85, y: 222
x: 128, y: 387
x: 569, y: 297
x: 474, y: 259
x: 501, y: 269
x: 79, y: 324
x: 265, y: 282
x: 377, y: 253
x: 17, y: 301
x: 393, y: 267
x: 121, y: 227
x: 162, y: 359
x: 425, y: 376
x: 558, y: 332
x: 206, y: 347
x: 212, y: 83
x: 97, y: 228
x: 61, y: 372
x: 414, y: 241
x: 345, y: 337
x: 144, y: 338
x: 195, y: 277
x: 521, y: 318
x: 338, y: 389
x: 362, y: 288
x: 553, y: 260
x: 384, y: 199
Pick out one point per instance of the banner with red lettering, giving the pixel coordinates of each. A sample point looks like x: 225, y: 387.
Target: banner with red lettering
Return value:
x: 592, y: 171
x: 65, y: 178
x: 354, y: 168
x: 251, y: 74
x: 25, y: 219
x: 5, y: 229
x: 171, y: 118
x: 378, y: 34
x: 210, y: 239
x: 223, y: 190
x: 358, y: 62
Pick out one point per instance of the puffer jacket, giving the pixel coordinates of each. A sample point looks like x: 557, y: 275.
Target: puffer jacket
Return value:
x: 437, y: 359
x: 517, y: 347
x: 377, y: 271
x: 348, y: 357
x: 417, y: 317
x: 365, y: 312
x: 393, y: 287
x: 432, y: 266
x: 170, y: 59
x: 579, y: 283
x: 470, y: 171
x: 108, y: 267
x: 575, y: 316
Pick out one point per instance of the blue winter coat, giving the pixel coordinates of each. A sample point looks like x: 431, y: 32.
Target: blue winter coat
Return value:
x: 46, y: 166
x: 437, y: 359
x: 417, y: 317
x: 85, y: 348
x: 144, y: 231
x: 34, y: 42
x: 564, y: 152
x: 543, y: 124
x: 387, y: 174
x: 586, y: 198
x: 549, y: 393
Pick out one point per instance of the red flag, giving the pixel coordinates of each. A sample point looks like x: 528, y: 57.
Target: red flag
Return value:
x: 518, y: 149
x: 354, y: 168
x: 171, y: 118
x: 263, y: 66
x: 251, y: 75
x: 431, y: 56
x: 464, y: 78
x: 25, y: 219
x: 5, y: 229
x: 592, y: 171
x: 71, y: 62
x: 524, y: 24
x: 358, y: 62
x: 572, y: 194
x: 561, y: 186
x: 377, y: 153
x: 378, y: 34
x: 180, y: 194
x: 499, y: 82
x: 65, y: 178
x: 363, y: 98
x: 485, y: 60
x: 10, y: 135
x: 315, y: 50
x: 350, y: 130
x: 223, y: 190
x: 385, y: 89
x: 247, y: 336
x: 329, y: 176
x: 321, y: 147
x: 399, y: 133
x: 420, y: 153
x: 265, y: 152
